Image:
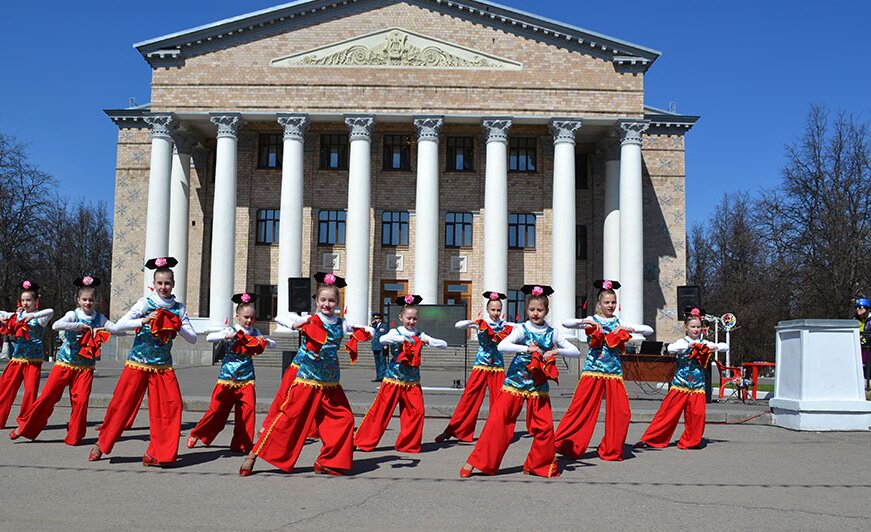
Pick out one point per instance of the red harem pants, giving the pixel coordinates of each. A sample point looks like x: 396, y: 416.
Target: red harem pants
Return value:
x: 661, y: 429
x: 576, y: 428
x: 462, y: 423
x: 280, y: 396
x: 411, y: 410
x: 225, y: 398
x: 499, y: 431
x: 79, y: 380
x: 18, y: 370
x: 164, y: 410
x: 306, y: 404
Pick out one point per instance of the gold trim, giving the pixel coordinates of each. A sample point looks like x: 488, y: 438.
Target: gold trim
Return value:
x: 551, y: 471
x: 147, y: 367
x: 36, y: 361
x: 488, y: 369
x: 314, y: 384
x: 401, y: 384
x: 683, y: 389
x: 523, y: 393
x: 600, y: 375
x: 268, y: 432
x: 73, y: 367
x: 235, y: 384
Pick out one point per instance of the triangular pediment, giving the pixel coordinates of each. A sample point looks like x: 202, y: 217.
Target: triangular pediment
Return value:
x: 396, y: 48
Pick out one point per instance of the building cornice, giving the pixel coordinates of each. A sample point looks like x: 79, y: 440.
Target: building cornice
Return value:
x: 171, y: 50
x: 668, y: 122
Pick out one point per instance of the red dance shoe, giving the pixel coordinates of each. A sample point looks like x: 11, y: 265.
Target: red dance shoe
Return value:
x: 324, y: 470
x: 192, y: 442
x: 246, y: 472
x: 148, y: 461
x: 466, y: 472
x: 14, y: 435
x: 442, y: 437
x: 95, y: 454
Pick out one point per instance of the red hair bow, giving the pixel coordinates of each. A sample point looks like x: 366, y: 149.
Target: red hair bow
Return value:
x: 16, y: 328
x: 617, y: 340
x: 315, y: 333
x: 702, y: 353
x: 595, y: 337
x: 410, y: 354
x: 542, y: 369
x: 165, y: 325
x: 493, y: 335
x: 248, y: 345
x: 359, y: 335
x: 91, y: 342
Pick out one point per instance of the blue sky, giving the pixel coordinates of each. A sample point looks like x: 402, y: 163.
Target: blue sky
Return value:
x: 750, y: 69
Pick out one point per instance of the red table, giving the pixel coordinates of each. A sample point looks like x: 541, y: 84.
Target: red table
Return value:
x: 755, y: 374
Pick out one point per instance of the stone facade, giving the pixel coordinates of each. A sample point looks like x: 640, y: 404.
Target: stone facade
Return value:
x: 236, y: 74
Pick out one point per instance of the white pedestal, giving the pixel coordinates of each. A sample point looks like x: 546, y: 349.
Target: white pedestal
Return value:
x: 818, y: 378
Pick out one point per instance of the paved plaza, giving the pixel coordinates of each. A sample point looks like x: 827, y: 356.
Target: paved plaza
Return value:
x: 750, y: 476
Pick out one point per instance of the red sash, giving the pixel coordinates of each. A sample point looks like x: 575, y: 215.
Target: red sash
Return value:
x: 702, y: 353
x: 543, y: 370
x: 315, y: 333
x: 165, y: 325
x: 617, y: 340
x: 16, y: 328
x: 359, y: 335
x: 91, y: 342
x: 247, y: 345
x: 595, y: 336
x: 496, y: 337
x: 410, y: 354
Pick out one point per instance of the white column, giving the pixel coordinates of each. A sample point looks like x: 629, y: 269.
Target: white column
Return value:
x: 357, y: 238
x: 496, y: 205
x: 179, y: 211
x: 563, y: 254
x: 290, y: 221
x: 426, y: 218
x: 157, y: 213
x: 223, y: 269
x: 611, y: 229
x: 631, y: 294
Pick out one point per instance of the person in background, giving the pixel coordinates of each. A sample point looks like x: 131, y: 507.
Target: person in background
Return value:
x: 379, y: 329
x: 862, y: 316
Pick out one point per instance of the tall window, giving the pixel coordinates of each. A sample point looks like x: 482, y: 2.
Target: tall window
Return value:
x: 397, y: 152
x: 516, y: 308
x: 331, y: 228
x: 271, y: 147
x: 460, y: 154
x: 266, y: 305
x: 458, y: 229
x: 394, y: 228
x: 582, y: 178
x: 334, y: 152
x: 581, y: 247
x: 521, y: 154
x: 267, y: 226
x: 521, y: 231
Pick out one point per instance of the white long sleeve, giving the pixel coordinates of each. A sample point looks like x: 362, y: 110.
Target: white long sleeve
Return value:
x: 221, y: 335
x: 513, y: 342
x: 466, y: 324
x: 291, y: 320
x: 69, y: 322
x: 133, y: 318
x: 399, y: 334
x: 684, y: 343
x: 218, y: 336
x: 578, y: 323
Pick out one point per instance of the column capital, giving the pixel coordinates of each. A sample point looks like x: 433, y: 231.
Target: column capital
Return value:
x: 428, y: 127
x: 496, y: 129
x: 360, y: 126
x: 184, y: 141
x: 295, y: 125
x: 564, y: 129
x: 161, y: 124
x: 228, y: 124
x: 631, y: 130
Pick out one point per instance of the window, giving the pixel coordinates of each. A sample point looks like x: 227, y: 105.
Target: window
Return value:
x: 397, y: 152
x: 460, y: 154
x: 267, y: 226
x: 458, y: 229
x: 334, y: 152
x: 521, y: 231
x: 394, y: 228
x: 516, y: 308
x: 266, y: 305
x: 271, y: 147
x: 581, y: 174
x: 521, y: 154
x: 581, y: 242
x: 331, y: 228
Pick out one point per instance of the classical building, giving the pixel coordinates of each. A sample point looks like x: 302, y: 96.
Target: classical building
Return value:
x: 432, y: 146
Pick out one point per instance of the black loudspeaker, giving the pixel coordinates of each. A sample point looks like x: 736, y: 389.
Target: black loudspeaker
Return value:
x: 300, y: 290
x: 688, y: 296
